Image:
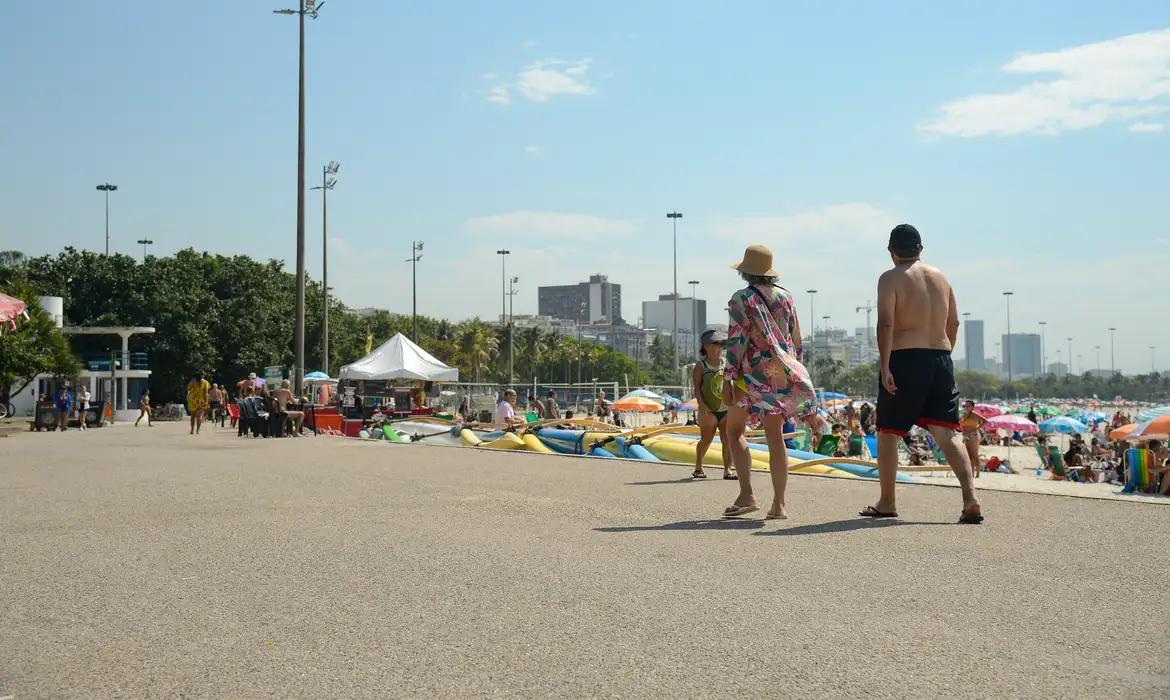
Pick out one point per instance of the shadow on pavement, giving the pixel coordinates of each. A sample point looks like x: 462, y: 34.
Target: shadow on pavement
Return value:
x: 858, y: 523
x: 729, y: 524
x: 684, y: 480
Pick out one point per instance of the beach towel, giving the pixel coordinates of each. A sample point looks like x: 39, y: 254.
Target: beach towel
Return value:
x: 1137, y: 470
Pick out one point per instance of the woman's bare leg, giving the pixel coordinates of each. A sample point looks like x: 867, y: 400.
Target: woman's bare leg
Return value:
x: 972, y: 444
x: 725, y: 446
x: 741, y: 456
x: 706, y: 435
x: 777, y: 463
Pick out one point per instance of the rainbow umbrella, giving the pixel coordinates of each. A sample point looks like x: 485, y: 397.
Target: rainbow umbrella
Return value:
x: 1152, y: 413
x: 1156, y: 429
x: 1123, y: 432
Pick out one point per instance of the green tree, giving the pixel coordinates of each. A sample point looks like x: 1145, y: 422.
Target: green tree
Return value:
x: 37, y: 346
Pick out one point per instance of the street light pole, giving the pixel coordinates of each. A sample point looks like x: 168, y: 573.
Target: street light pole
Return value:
x: 1008, y: 355
x: 694, y: 318
x: 503, y: 253
x: 1098, y: 347
x: 1112, y: 357
x: 674, y: 216
x: 306, y: 8
x: 967, y: 338
x: 1152, y: 370
x: 1043, y: 355
x: 1070, y: 356
x: 511, y: 345
x: 144, y: 242
x: 107, y: 188
x: 415, y: 255
x: 812, y: 315
x: 327, y: 183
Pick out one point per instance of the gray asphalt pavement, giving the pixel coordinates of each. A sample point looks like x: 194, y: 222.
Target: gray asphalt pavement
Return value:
x: 149, y: 563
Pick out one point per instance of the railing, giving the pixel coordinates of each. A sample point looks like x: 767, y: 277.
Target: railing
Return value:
x: 100, y: 361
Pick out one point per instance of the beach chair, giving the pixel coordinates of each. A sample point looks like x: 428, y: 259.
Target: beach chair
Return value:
x: 1056, y: 463
x: 871, y: 445
x: 1138, y: 462
x: 856, y: 446
x: 828, y: 445
x: 233, y: 411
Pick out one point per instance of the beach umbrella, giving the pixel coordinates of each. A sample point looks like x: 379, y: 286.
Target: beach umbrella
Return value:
x: 11, y: 308
x: 316, y: 375
x: 1011, y: 423
x: 830, y: 395
x: 642, y: 394
x: 988, y: 410
x: 686, y: 406
x: 1090, y: 416
x: 1152, y: 413
x: 1063, y: 424
x: 670, y: 400
x: 1154, y: 429
x: 636, y: 403
x: 1123, y: 432
x: 1042, y: 410
x: 834, y: 403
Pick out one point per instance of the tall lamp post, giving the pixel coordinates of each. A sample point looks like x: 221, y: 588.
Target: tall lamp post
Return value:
x: 812, y: 315
x: 1070, y: 356
x: 966, y: 338
x: 1043, y: 353
x: 1152, y: 370
x: 144, y: 242
x: 327, y: 183
x: 1112, y: 357
x: 307, y: 8
x: 512, y: 291
x: 1098, y: 348
x: 504, y: 253
x: 694, y: 318
x: 1008, y: 349
x: 107, y: 188
x: 415, y: 255
x: 674, y: 216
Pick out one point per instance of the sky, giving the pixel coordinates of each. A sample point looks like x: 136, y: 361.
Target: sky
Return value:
x: 1030, y: 146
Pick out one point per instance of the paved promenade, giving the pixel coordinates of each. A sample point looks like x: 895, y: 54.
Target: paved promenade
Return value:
x: 150, y: 563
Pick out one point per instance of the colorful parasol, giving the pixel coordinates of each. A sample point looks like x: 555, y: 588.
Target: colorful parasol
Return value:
x: 988, y: 410
x: 636, y: 404
x: 11, y: 309
x: 1011, y: 424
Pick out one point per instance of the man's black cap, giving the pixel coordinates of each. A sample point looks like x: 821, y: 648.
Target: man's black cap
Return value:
x: 904, y: 236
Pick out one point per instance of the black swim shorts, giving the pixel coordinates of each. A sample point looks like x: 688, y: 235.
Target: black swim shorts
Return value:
x: 926, y: 393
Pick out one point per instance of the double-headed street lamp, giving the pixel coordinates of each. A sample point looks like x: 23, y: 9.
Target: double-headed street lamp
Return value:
x: 144, y: 242
x: 327, y: 183
x: 1112, y: 357
x: 674, y: 216
x: 694, y: 317
x: 512, y: 292
x: 415, y: 255
x: 1008, y: 350
x: 307, y: 8
x: 107, y: 188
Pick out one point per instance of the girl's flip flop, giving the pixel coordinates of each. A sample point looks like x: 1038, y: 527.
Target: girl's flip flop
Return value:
x: 737, y: 511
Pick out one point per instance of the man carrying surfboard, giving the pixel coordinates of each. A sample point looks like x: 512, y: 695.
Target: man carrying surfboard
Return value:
x: 918, y: 322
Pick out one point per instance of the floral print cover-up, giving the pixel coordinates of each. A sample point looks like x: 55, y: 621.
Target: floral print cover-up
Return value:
x: 764, y: 350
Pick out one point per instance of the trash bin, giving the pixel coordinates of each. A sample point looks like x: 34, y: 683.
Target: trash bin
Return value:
x: 45, y: 417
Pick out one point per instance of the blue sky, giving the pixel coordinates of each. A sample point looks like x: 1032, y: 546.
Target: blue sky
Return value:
x: 1029, y: 145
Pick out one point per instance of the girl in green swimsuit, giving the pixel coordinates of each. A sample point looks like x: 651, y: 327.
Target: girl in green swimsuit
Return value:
x: 707, y: 381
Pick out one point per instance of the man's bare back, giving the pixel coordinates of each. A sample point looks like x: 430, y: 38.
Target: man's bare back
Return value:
x: 923, y: 308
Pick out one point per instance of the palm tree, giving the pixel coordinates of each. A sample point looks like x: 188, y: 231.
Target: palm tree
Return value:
x: 478, y: 345
x: 531, y: 351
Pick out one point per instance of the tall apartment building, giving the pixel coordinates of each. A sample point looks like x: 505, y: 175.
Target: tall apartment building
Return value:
x: 595, y: 301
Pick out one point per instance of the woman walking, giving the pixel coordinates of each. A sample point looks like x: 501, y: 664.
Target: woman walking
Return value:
x: 707, y: 382
x: 83, y: 397
x: 144, y: 409
x: 971, y: 424
x: 764, y: 375
x: 197, y: 390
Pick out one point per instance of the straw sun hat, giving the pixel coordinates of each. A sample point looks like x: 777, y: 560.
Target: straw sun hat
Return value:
x: 757, y: 260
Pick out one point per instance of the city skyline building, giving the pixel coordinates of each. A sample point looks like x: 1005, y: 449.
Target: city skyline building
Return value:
x: 595, y: 301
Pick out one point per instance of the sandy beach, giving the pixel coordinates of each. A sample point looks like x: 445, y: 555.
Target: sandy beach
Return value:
x: 147, y: 562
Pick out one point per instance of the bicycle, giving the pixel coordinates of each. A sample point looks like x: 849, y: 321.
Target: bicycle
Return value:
x: 7, y: 410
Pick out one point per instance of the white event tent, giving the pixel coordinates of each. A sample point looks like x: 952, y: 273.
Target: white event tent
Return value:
x: 399, y: 358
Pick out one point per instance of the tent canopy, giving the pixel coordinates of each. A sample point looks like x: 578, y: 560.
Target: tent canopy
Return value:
x: 399, y: 358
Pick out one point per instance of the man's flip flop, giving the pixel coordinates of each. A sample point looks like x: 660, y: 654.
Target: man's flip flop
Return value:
x: 970, y: 518
x: 698, y: 475
x: 730, y: 477
x: 871, y: 512
x: 737, y: 511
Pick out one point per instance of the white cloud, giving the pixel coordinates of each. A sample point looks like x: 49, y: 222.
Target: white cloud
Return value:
x: 1120, y: 79
x: 500, y: 95
x: 843, y: 223
x: 544, y: 223
x: 543, y: 79
x: 532, y: 150
x: 1147, y: 127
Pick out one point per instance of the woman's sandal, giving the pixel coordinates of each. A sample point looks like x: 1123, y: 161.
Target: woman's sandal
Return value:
x: 698, y: 474
x: 734, y: 511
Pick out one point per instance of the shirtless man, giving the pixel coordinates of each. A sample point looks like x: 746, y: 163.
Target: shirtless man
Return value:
x: 916, y: 329
x: 283, y: 397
